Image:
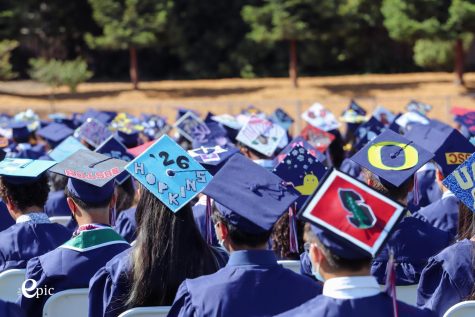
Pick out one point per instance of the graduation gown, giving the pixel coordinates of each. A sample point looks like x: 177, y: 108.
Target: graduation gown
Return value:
x: 8, y: 309
x: 109, y: 287
x: 56, y: 204
x: 427, y: 189
x: 351, y: 168
x: 448, y: 278
x: 126, y: 225
x: 414, y: 242
x: 251, y: 284
x: 25, y: 240
x: 5, y: 219
x: 442, y: 214
x: 71, y: 265
x: 378, y: 305
x: 199, y: 213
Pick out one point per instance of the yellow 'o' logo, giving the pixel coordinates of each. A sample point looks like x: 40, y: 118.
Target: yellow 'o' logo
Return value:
x: 410, y: 154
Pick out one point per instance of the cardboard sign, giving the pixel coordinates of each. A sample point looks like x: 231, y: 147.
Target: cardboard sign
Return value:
x: 169, y: 173
x: 462, y: 182
x: 319, y: 139
x: 93, y: 132
x: 353, y: 211
x: 66, y: 148
x: 321, y: 118
x: 261, y: 135
x: 190, y: 125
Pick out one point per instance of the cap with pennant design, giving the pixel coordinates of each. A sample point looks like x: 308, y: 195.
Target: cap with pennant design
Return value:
x: 22, y: 171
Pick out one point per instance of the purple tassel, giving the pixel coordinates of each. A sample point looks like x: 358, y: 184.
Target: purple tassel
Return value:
x: 294, y: 243
x: 416, y: 191
x: 209, y: 225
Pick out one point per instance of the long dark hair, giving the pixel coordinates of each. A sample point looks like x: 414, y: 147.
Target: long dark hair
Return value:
x: 169, y: 248
x: 125, y: 195
x: 281, y: 238
x: 465, y: 223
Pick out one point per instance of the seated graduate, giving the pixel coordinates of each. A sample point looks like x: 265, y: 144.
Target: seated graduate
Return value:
x: 127, y: 195
x: 350, y: 222
x: 8, y: 309
x: 24, y: 189
x: 449, y: 277
x: 169, y: 247
x: 6, y: 219
x: 92, y: 202
x: 389, y: 162
x: 56, y: 204
x: 248, y: 201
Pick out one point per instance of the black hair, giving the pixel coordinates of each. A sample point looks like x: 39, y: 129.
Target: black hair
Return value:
x: 337, y: 154
x: 27, y: 194
x: 239, y: 237
x: 259, y: 156
x: 395, y: 192
x: 125, y: 195
x: 87, y: 205
x: 57, y: 181
x: 281, y: 238
x: 169, y: 249
x: 465, y: 228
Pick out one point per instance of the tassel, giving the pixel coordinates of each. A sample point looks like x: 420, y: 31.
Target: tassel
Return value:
x: 209, y: 225
x: 294, y: 243
x: 112, y: 216
x: 390, y: 287
x: 416, y: 191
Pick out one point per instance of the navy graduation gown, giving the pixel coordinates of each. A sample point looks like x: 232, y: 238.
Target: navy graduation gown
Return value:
x: 414, y: 242
x: 126, y: 225
x: 109, y: 287
x: 448, y: 278
x: 8, y: 309
x: 351, y: 168
x: 71, y: 265
x: 56, y: 204
x: 199, y: 213
x: 442, y: 214
x: 5, y: 219
x: 377, y: 305
x: 428, y: 189
x: 251, y: 284
x: 26, y: 240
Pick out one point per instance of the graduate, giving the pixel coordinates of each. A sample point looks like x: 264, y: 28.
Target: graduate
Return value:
x: 389, y: 162
x: 449, y: 277
x: 92, y: 203
x: 5, y: 219
x: 126, y: 224
x: 21, y: 146
x: 169, y: 247
x: 248, y: 201
x: 8, y: 309
x: 56, y: 204
x: 350, y: 222
x: 24, y: 190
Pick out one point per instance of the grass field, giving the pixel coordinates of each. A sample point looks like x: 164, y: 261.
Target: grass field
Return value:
x: 230, y: 95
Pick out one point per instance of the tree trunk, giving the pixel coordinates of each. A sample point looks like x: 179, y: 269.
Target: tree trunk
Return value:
x: 134, y: 74
x: 293, y: 63
x: 459, y: 62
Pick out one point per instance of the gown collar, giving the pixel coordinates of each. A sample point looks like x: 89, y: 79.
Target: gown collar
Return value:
x: 351, y: 287
x: 252, y: 257
x: 34, y: 217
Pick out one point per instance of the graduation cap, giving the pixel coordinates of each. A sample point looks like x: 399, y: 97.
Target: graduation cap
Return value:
x: 228, y: 121
x: 461, y: 182
x: 383, y: 115
x: 213, y: 158
x: 467, y: 121
x: 93, y: 131
x: 248, y: 196
x: 154, y: 126
x: 409, y: 118
x: 318, y: 138
x: 253, y: 111
x: 66, y: 148
x: 182, y: 111
x: 282, y: 118
x: 101, y: 116
x: 19, y: 130
x: 262, y: 135
x: 349, y: 218
x: 419, y: 107
x: 129, y: 139
x: 321, y: 118
x: 450, y: 147
x: 392, y: 157
x: 303, y: 170
x: 136, y: 151
x: 90, y: 175
x: 353, y: 114
x: 459, y: 111
x: 190, y: 125
x: 367, y: 132
x: 54, y: 133
x: 214, y: 135
x: 115, y: 149
x: 169, y: 173
x: 307, y: 146
x: 22, y: 171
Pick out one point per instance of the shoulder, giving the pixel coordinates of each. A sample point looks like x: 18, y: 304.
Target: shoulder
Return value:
x: 458, y: 256
x: 312, y: 307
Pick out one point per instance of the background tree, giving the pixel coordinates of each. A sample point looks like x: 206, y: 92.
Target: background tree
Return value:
x: 439, y: 30
x: 128, y: 25
x: 280, y: 20
x: 6, y: 71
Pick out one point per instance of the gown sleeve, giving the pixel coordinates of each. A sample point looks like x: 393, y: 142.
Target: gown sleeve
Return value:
x: 182, y: 305
x: 106, y: 298
x: 34, y: 306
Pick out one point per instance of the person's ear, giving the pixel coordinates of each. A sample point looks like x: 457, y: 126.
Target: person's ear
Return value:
x: 222, y: 232
x: 72, y: 206
x: 316, y: 254
x: 439, y: 175
x: 9, y: 203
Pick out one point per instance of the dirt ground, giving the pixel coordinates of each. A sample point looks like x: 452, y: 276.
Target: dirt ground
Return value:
x: 230, y: 95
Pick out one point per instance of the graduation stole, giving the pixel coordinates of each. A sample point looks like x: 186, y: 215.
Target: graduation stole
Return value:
x: 93, y: 239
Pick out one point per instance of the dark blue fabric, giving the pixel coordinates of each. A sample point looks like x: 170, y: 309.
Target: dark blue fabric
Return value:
x: 251, y: 284
x: 126, y: 225
x: 351, y: 168
x: 26, y: 240
x: 64, y: 269
x: 427, y: 189
x: 378, y: 305
x: 56, y: 204
x: 413, y: 242
x: 8, y: 309
x: 448, y: 278
x: 5, y: 219
x: 199, y: 213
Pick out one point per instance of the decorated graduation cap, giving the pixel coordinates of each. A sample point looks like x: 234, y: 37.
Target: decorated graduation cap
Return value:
x: 90, y: 175
x: 101, y: 116
x: 213, y: 158
x: 301, y: 142
x: 450, y: 147
x: 410, y: 118
x: 214, y: 135
x: 367, y: 132
x: 353, y: 114
x: 248, y: 196
x: 22, y: 171
x: 303, y: 170
x: 190, y: 125
x: 320, y: 117
x: 262, y: 135
x: 66, y: 148
x: 351, y: 219
x: 169, y: 173
x: 383, y: 115
x: 228, y: 120
x: 282, y: 118
x: 419, y: 107
x: 253, y: 111
x: 128, y: 138
x: 93, y: 131
x: 55, y: 133
x: 318, y: 138
x: 115, y: 149
x: 461, y: 182
x: 467, y: 121
x: 392, y: 157
x: 19, y: 130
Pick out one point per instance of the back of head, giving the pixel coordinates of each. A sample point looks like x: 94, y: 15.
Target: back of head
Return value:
x: 25, y: 195
x: 125, y: 195
x: 398, y: 193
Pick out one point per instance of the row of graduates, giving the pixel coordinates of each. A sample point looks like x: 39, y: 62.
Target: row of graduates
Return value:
x: 169, y: 247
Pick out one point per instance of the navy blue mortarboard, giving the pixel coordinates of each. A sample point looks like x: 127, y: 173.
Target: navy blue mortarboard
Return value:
x: 129, y: 139
x: 299, y: 140
x: 115, y: 149
x: 353, y: 114
x: 419, y: 107
x: 367, y: 132
x: 282, y: 118
x: 248, y: 196
x: 55, y: 133
x: 213, y: 158
x: 21, y: 171
x: 101, y: 116
x: 19, y: 130
x: 90, y: 175
x: 216, y: 135
x: 392, y: 157
x: 450, y: 147
x: 69, y: 146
